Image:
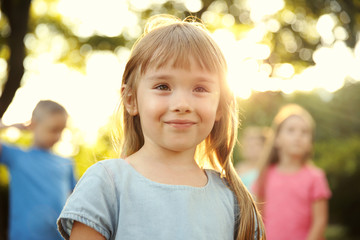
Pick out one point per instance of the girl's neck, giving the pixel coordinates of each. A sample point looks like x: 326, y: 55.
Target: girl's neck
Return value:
x: 290, y: 163
x: 167, y: 157
x: 175, y: 168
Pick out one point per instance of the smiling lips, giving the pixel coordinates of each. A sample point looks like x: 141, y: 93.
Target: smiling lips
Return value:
x: 178, y: 123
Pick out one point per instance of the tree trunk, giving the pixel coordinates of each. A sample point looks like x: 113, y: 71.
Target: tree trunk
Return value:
x: 17, y: 12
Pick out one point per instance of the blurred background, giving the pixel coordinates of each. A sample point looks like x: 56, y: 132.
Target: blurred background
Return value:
x: 278, y: 51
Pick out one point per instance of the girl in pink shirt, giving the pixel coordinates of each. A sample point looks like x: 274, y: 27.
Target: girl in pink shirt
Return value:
x: 293, y: 192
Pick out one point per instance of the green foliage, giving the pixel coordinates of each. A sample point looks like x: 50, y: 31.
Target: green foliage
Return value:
x: 340, y: 158
x: 345, y: 107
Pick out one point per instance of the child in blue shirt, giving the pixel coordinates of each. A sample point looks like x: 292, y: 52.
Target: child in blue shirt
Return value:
x: 40, y: 180
x: 175, y: 178
x: 252, y: 143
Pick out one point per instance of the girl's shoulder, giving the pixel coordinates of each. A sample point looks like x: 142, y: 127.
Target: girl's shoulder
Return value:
x: 313, y: 170
x: 108, y: 165
x: 217, y: 180
x: 111, y: 163
x: 214, y: 175
x: 110, y: 169
x: 307, y: 169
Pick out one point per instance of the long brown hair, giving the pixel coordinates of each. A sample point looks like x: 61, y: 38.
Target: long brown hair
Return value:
x: 271, y: 155
x: 169, y: 40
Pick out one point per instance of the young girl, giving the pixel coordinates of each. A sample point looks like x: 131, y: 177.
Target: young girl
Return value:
x: 294, y: 192
x: 178, y: 116
x: 253, y: 142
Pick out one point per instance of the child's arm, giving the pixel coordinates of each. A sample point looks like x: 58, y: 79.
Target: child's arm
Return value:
x: 20, y: 126
x: 319, y: 219
x: 82, y: 232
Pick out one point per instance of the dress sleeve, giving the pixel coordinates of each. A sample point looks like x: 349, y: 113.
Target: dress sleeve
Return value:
x: 320, y: 187
x: 92, y: 203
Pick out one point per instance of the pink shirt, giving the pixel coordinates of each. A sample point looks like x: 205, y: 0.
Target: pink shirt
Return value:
x: 288, y: 201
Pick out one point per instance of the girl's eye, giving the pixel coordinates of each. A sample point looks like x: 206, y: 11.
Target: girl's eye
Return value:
x: 162, y: 87
x: 200, y: 89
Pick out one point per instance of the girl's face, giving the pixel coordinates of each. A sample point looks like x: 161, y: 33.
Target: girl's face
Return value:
x: 294, y: 138
x: 177, y: 107
x: 252, y: 147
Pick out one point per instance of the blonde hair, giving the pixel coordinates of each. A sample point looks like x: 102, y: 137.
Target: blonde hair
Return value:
x: 46, y: 107
x: 271, y: 155
x: 164, y: 38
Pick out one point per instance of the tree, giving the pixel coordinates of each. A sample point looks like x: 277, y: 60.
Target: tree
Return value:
x: 17, y: 13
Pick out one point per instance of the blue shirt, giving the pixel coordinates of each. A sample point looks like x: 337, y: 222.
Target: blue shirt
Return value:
x: 249, y: 178
x: 120, y: 203
x: 40, y: 183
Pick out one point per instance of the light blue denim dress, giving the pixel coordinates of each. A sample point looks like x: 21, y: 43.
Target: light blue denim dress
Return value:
x: 120, y: 203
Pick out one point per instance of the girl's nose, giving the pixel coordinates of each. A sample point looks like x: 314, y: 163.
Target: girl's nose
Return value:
x: 181, y: 103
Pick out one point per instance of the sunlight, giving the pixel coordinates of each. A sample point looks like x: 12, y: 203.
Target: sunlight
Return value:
x: 340, y: 33
x: 39, y: 7
x: 241, y: 77
x: 246, y: 71
x: 65, y: 146
x: 260, y: 51
x: 140, y: 5
x: 3, y: 68
x: 285, y: 70
x: 97, y: 17
x: 247, y: 74
x: 306, y: 81
x: 90, y: 99
x: 99, y: 94
x: 334, y: 63
x: 12, y: 134
x: 262, y: 8
x: 325, y: 26
x: 257, y: 33
x: 193, y: 5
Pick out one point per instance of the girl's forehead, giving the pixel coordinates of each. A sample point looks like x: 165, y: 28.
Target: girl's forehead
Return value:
x: 193, y: 66
x: 296, y: 120
x: 180, y: 62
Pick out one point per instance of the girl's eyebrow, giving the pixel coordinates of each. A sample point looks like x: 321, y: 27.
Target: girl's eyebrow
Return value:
x: 206, y: 80
x: 162, y: 76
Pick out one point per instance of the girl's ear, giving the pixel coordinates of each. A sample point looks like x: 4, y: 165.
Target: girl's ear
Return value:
x: 129, y: 102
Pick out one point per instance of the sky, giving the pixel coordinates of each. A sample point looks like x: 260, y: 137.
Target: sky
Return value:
x: 91, y: 96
